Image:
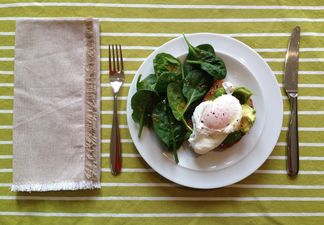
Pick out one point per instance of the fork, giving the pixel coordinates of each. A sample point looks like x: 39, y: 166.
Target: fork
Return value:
x: 116, y: 79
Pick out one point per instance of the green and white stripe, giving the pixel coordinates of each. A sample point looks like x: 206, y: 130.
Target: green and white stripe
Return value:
x: 139, y: 195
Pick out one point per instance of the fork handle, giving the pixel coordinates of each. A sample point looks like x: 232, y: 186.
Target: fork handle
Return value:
x: 115, y: 146
x: 292, y: 145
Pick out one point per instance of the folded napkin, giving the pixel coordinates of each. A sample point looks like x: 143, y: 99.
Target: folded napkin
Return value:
x: 56, y: 144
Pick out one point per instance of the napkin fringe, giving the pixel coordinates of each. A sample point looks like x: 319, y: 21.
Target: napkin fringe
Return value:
x: 56, y: 186
x: 91, y: 161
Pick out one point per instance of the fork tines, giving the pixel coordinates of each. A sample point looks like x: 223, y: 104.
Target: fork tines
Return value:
x: 115, y: 57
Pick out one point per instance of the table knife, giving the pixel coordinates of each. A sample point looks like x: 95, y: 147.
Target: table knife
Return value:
x: 291, y: 88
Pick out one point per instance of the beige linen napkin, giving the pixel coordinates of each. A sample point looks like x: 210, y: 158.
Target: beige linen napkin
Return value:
x: 56, y: 105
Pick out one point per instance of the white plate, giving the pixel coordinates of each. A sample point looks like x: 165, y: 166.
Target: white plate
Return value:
x: 217, y: 169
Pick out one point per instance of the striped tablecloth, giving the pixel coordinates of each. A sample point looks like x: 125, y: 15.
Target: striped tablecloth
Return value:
x: 141, y: 196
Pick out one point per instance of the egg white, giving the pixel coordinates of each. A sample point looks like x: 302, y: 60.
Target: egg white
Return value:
x: 204, y: 139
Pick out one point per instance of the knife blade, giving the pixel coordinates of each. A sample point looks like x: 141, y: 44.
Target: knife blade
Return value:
x: 291, y: 88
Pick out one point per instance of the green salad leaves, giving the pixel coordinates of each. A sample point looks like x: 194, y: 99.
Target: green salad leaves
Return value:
x: 167, y: 128
x: 204, y: 57
x: 163, y: 99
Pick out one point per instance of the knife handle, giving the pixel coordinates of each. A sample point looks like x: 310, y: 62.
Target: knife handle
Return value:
x: 293, y: 145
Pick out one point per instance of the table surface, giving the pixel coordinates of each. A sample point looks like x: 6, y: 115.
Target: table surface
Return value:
x: 139, y: 195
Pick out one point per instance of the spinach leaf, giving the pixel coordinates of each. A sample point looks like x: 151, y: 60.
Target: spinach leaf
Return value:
x: 189, y: 112
x: 142, y: 103
x: 146, y: 84
x: 177, y: 103
x: 186, y: 68
x: 215, y: 68
x: 217, y: 72
x: 164, y: 79
x: 195, y: 86
x: 213, y: 65
x: 176, y: 100
x: 165, y: 62
x: 207, y: 48
x: 194, y: 53
x: 205, y: 57
x: 168, y: 129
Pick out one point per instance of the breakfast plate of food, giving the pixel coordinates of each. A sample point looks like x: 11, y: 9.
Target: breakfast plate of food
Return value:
x: 204, y: 110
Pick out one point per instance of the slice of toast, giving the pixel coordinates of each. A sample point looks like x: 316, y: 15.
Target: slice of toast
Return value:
x: 210, y: 94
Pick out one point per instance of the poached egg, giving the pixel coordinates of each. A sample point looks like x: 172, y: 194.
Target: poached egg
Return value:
x: 214, y: 120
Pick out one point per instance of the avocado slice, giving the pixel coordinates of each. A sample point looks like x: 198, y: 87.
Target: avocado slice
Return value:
x: 248, y: 118
x: 242, y: 94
